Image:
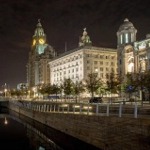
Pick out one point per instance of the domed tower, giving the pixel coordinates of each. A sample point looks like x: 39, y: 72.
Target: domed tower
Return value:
x: 85, y: 39
x: 126, y: 33
x: 126, y: 36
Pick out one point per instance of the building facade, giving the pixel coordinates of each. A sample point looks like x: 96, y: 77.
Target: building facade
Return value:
x: 76, y: 64
x: 39, y: 56
x: 133, y: 56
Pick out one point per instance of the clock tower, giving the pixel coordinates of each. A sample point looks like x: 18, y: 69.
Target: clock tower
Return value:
x: 39, y: 56
x: 39, y: 39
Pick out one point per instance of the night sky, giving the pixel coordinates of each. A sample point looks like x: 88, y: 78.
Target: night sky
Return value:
x: 63, y: 21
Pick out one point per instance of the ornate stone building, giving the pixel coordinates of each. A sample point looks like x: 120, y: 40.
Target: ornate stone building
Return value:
x: 76, y: 64
x: 133, y: 55
x: 40, y: 54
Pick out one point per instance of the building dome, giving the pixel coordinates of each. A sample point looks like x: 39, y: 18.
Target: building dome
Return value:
x: 126, y: 25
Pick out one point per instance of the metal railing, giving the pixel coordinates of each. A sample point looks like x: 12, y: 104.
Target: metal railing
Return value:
x: 98, y: 109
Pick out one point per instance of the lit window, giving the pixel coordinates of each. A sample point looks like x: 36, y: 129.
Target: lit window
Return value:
x: 126, y: 38
x: 101, y: 69
x: 101, y: 63
x: 107, y: 69
x: 88, y: 68
x: 101, y: 56
x: 107, y: 63
x: 121, y: 40
x: 95, y: 62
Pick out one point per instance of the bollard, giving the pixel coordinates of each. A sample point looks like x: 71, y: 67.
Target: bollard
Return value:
x: 120, y: 110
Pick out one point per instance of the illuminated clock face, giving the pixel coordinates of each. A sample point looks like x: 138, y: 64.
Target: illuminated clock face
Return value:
x: 41, y: 41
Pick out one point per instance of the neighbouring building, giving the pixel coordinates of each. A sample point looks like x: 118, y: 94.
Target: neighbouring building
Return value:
x: 39, y: 56
x: 76, y: 64
x: 22, y: 86
x: 133, y: 56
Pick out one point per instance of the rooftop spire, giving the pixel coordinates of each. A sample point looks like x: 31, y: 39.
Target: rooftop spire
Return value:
x: 39, y: 23
x: 85, y: 39
x: 39, y: 30
x: 126, y: 20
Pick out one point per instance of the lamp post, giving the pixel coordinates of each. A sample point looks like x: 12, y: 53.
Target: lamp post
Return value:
x: 5, y: 91
x: 34, y: 92
x: 29, y: 94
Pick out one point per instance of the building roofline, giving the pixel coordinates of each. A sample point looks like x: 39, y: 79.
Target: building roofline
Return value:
x: 83, y: 47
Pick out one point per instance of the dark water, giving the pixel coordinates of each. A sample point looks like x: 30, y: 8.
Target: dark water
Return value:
x: 23, y: 133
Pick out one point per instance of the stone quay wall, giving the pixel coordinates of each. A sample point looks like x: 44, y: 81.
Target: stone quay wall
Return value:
x: 104, y: 132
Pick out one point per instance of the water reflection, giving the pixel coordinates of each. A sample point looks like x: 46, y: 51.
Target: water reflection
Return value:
x: 22, y: 133
x: 5, y: 121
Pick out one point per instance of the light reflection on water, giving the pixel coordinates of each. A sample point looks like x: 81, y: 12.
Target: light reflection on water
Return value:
x: 21, y: 133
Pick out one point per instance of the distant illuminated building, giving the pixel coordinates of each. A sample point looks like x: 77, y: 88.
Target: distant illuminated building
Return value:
x: 22, y: 86
x: 133, y: 56
x: 76, y: 64
x: 39, y: 56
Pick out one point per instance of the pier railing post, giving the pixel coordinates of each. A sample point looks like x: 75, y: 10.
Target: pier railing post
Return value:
x: 135, y: 110
x: 80, y: 108
x: 54, y: 107
x: 120, y: 110
x: 107, y: 109
x: 88, y: 110
x: 58, y: 108
x: 97, y: 109
x: 68, y: 109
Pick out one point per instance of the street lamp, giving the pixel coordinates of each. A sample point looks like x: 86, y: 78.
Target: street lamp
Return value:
x: 29, y: 94
x: 5, y: 91
x: 34, y: 92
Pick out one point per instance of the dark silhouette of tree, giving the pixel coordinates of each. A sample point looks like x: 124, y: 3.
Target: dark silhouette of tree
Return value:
x: 147, y: 83
x: 78, y: 88
x: 92, y: 83
x: 130, y: 85
x: 55, y: 89
x: 67, y: 87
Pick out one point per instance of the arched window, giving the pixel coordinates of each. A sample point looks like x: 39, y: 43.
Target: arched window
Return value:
x: 121, y: 39
x: 126, y: 38
x: 131, y: 64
